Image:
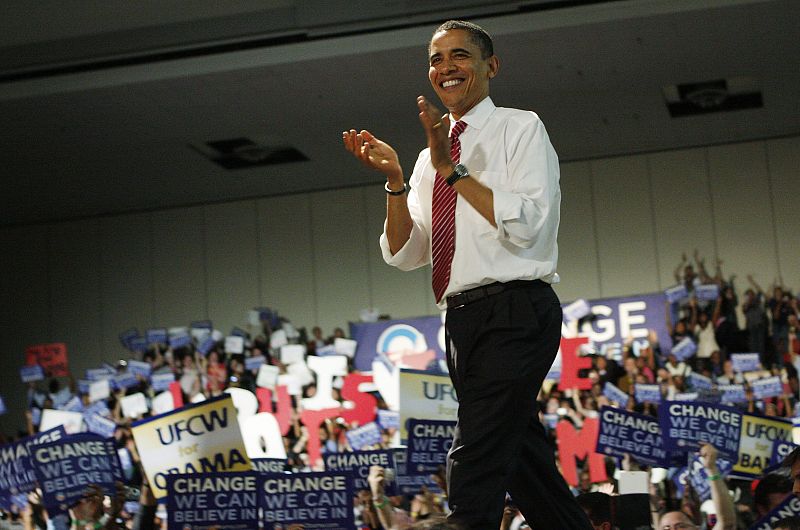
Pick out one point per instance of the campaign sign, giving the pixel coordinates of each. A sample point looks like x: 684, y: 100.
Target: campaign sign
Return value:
x: 686, y: 425
x: 161, y: 382
x: 707, y: 293
x: 732, y: 394
x: 269, y: 465
x: 73, y: 405
x: 254, y: 363
x: 238, y: 332
x: 206, y: 345
x: 99, y: 374
x: 141, y: 368
x: 326, y: 351
x: 139, y: 344
x: 359, y: 463
x: 700, y: 382
x: 388, y: 419
x: 687, y: 396
x: 32, y: 373
x: 780, y: 450
x: 199, y: 438
x: 425, y: 395
x: 127, y: 336
x: 64, y: 468
x: 622, y: 432
x: 100, y: 425
x: 745, y: 362
x: 124, y: 381
x: 234, y: 344
x: 156, y: 336
x: 52, y: 357
x: 406, y: 482
x: 790, y: 507
x: 428, y: 444
x: 323, y: 501
x: 758, y: 435
x: 767, y: 387
x: 698, y: 475
x: 676, y: 294
x: 203, y: 501
x: 647, y: 393
x: 614, y: 393
x: 576, y: 310
x: 181, y: 340
x: 16, y: 470
x: 364, y: 436
x: 684, y: 349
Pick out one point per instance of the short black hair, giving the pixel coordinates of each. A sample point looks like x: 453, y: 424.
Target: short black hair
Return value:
x: 477, y: 34
x: 597, y: 506
x: 769, y: 484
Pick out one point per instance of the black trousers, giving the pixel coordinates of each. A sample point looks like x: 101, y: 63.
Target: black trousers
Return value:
x: 500, y: 348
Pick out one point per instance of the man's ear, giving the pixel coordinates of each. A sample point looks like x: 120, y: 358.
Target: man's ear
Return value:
x: 494, y: 66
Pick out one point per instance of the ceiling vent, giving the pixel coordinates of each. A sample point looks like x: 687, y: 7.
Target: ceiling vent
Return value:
x: 720, y: 95
x: 242, y: 153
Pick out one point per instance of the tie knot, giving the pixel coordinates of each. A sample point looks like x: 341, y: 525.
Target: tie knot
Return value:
x: 458, y: 128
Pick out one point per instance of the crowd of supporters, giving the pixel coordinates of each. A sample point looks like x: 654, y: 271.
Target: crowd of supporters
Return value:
x: 760, y: 322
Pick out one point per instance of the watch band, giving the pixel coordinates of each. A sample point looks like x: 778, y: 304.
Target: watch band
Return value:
x: 398, y: 192
x: 459, y: 172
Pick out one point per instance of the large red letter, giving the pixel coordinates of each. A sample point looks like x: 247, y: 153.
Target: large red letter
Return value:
x: 574, y: 444
x: 571, y: 363
x: 312, y: 419
x: 365, y: 405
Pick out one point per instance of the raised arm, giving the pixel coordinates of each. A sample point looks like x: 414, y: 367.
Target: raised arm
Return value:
x: 726, y: 515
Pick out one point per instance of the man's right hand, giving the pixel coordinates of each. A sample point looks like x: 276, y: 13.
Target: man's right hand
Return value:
x: 375, y: 154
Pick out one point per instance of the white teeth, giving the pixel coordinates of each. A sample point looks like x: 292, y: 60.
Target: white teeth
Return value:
x: 452, y: 82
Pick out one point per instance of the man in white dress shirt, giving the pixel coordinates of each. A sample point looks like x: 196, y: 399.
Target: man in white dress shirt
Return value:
x: 483, y: 209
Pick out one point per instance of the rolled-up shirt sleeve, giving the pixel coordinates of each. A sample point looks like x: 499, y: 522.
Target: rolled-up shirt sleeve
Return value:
x: 529, y: 212
x: 416, y: 252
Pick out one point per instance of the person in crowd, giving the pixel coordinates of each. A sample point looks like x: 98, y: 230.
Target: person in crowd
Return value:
x: 771, y: 490
x: 597, y: 506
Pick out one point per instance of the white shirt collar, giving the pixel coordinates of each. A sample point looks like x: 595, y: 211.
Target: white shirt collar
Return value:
x: 476, y: 117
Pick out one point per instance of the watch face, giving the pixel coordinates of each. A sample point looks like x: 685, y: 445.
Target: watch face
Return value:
x: 461, y: 170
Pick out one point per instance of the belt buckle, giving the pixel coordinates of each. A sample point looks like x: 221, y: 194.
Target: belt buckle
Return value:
x: 457, y: 295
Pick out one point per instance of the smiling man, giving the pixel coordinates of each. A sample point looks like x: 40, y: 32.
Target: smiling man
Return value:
x: 483, y: 210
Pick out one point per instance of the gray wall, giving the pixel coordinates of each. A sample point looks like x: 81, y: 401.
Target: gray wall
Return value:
x: 314, y: 257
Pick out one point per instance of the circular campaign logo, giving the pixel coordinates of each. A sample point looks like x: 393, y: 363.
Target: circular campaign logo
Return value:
x: 400, y: 338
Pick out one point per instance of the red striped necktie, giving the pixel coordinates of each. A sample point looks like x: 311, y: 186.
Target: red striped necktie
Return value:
x: 443, y: 220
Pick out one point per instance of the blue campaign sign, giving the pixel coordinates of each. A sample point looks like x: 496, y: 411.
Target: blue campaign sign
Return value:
x: 767, y: 387
x: 388, y: 419
x: 698, y: 475
x: 676, y: 294
x: 239, y: 332
x: 65, y: 468
x: 322, y: 501
x: 205, y: 346
x: 428, y: 444
x: 212, y: 500
x: 32, y: 373
x: 707, y: 293
x: 141, y: 368
x: 614, y: 393
x: 127, y: 336
x: 100, y: 425
x: 409, y: 483
x: 700, y: 382
x: 684, y: 349
x: 98, y: 407
x: 156, y: 336
x: 269, y: 465
x: 98, y: 374
x: 790, y: 507
x: 139, y: 344
x: 161, y: 382
x: 73, y: 405
x: 364, y: 436
x: 124, y: 381
x: 732, y: 394
x: 745, y: 362
x: 254, y: 363
x: 622, y: 432
x: 647, y: 393
x: 686, y: 425
x: 202, y: 324
x: 780, y: 450
x: 359, y: 463
x: 16, y: 471
x: 180, y: 340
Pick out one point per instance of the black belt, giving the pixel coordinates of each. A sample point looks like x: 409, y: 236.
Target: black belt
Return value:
x: 456, y: 300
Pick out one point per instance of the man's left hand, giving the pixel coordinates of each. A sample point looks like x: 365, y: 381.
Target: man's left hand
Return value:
x: 437, y: 129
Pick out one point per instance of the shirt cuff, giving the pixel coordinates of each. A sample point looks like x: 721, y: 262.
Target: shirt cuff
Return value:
x: 409, y: 256
x: 507, y: 207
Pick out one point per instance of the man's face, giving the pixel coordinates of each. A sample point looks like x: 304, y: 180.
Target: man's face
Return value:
x: 458, y: 72
x: 795, y: 475
x: 675, y: 521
